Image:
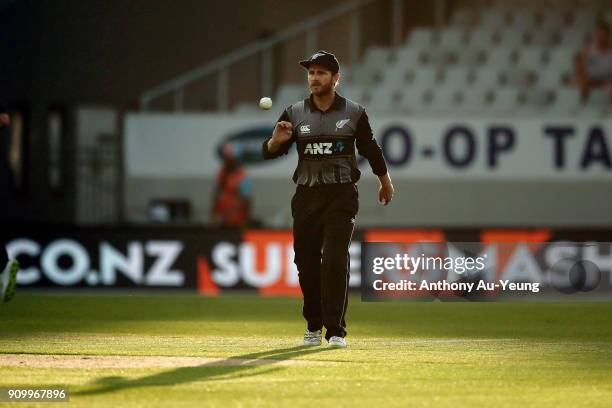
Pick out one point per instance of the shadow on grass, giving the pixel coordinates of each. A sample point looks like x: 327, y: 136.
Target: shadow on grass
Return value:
x: 221, y: 369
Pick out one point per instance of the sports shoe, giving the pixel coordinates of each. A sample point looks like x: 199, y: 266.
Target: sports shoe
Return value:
x: 337, y: 342
x: 9, y: 280
x: 312, y: 338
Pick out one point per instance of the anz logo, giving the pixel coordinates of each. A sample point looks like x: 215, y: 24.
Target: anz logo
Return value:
x: 324, y: 148
x: 319, y: 148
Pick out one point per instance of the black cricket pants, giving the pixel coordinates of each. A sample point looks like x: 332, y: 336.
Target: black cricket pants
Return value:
x: 323, y: 222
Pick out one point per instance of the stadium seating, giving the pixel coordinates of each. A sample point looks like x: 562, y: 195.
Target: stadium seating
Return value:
x: 505, y: 100
x: 289, y: 93
x: 566, y: 101
x: 414, y: 99
x: 481, y: 38
x: 474, y: 101
x: 383, y: 99
x: 508, y: 58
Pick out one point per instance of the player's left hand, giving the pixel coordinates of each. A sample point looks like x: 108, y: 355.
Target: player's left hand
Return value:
x: 385, y: 190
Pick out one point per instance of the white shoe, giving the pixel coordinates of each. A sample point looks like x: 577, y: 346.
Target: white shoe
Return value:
x: 312, y: 338
x: 337, y: 342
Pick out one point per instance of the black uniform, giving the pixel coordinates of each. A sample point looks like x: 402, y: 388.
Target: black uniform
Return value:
x: 326, y: 201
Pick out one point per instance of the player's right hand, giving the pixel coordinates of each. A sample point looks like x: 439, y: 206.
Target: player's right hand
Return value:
x: 282, y: 131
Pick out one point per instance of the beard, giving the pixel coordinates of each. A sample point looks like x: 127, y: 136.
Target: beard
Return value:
x: 322, y: 89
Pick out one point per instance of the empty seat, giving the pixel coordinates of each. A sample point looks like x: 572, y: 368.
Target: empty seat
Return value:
x: 356, y: 93
x: 421, y: 38
x: 562, y: 56
x: 542, y: 38
x: 531, y: 58
x: 517, y: 77
x: 469, y: 57
x: 473, y: 100
x: 375, y: 56
x: 599, y: 97
x: 452, y: 38
x: 424, y: 77
x: 481, y: 38
x: 437, y: 56
x: 407, y: 57
x: 512, y: 38
x: 444, y: 99
x: 598, y: 102
x: 414, y: 99
x: 505, y: 100
x: 394, y: 75
x: 566, y: 101
x: 535, y: 100
x: 487, y: 78
x: 499, y: 57
x: 551, y: 77
x: 368, y: 72
x: 572, y: 38
x: 290, y: 93
x: 384, y: 99
x: 457, y: 76
x: 364, y: 75
x: 562, y: 60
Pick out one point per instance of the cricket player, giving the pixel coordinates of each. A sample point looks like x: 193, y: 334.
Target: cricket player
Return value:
x: 327, y: 129
x: 8, y: 273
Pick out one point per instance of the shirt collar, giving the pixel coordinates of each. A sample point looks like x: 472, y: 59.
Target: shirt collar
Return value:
x: 336, y: 105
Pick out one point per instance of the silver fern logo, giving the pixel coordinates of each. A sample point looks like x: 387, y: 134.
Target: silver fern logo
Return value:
x: 341, y: 123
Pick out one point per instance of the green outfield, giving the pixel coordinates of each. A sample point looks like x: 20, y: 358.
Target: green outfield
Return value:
x: 156, y: 350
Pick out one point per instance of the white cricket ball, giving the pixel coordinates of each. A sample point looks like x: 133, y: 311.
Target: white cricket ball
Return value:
x: 265, y: 103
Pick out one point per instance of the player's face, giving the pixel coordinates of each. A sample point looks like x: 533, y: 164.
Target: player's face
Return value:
x: 321, y: 81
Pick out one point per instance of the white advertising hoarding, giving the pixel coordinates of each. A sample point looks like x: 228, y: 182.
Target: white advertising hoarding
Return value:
x: 169, y: 145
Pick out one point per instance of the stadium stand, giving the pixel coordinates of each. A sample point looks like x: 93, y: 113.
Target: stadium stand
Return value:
x: 493, y: 60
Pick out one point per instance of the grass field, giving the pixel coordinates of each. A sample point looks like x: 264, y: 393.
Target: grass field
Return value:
x: 245, y: 351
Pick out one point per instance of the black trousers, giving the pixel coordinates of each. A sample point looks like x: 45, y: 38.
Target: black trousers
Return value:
x: 323, y: 222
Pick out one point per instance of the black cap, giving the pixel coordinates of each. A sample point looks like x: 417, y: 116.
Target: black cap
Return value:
x: 327, y: 59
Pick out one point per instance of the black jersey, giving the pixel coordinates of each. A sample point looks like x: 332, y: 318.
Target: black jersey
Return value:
x: 326, y: 142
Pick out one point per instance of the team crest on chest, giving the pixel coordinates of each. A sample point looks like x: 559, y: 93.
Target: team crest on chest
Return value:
x: 341, y: 123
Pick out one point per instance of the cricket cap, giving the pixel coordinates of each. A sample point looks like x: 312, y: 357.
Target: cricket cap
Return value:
x: 324, y: 58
